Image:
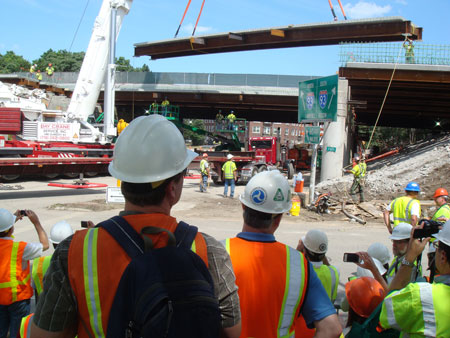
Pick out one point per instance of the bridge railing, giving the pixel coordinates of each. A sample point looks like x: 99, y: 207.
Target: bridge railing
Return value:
x: 392, y: 52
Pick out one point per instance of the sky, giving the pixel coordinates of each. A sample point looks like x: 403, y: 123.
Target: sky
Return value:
x: 31, y: 27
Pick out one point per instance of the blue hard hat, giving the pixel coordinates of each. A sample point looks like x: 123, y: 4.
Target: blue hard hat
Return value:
x: 412, y: 186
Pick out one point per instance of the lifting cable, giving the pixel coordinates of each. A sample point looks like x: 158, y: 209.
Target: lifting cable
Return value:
x: 385, y: 96
x: 79, y: 23
x: 342, y: 9
x: 182, y: 19
x: 332, y: 10
x: 198, y: 18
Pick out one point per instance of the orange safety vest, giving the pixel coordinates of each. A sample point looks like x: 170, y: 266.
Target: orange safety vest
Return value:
x: 94, y: 278
x: 272, y: 279
x: 15, y: 282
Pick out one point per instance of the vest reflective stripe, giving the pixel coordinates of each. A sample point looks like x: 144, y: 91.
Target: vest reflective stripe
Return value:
x: 295, y: 282
x: 443, y: 211
x: 40, y: 267
x: 25, y: 327
x: 203, y: 167
x: 400, y: 214
x: 199, y: 247
x: 362, y: 169
x: 16, y: 280
x: 91, y: 281
x: 228, y: 169
x: 426, y: 298
x: 328, y: 275
x: 390, y: 313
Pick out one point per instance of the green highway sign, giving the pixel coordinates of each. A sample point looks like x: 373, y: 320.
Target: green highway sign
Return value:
x: 331, y: 149
x: 317, y: 100
x: 312, y: 135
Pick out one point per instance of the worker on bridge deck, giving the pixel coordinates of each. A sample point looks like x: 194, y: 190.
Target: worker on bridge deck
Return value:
x: 231, y: 119
x: 50, y: 70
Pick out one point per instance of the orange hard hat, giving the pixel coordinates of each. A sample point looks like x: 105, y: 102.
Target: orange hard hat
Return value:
x: 50, y: 64
x: 440, y: 192
x: 364, y: 294
x: 205, y: 155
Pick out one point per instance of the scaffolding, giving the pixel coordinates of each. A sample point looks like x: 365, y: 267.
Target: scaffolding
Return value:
x: 420, y: 53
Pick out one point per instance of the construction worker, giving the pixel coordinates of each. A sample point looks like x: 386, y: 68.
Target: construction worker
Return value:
x: 420, y: 309
x: 204, y: 170
x: 165, y: 106
x: 231, y: 119
x: 440, y: 197
x: 121, y: 125
x: 58, y: 233
x: 15, y: 279
x: 33, y: 70
x: 230, y: 175
x: 359, y: 171
x: 39, y: 75
x: 50, y: 70
x: 363, y: 294
x: 219, y: 120
x: 409, y: 51
x: 405, y: 208
x: 275, y: 281
x: 314, y: 246
x: 400, y: 238
x: 154, y: 108
x: 150, y: 158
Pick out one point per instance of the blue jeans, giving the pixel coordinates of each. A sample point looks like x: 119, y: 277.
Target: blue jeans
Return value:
x: 11, y: 316
x: 204, y: 183
x: 229, y: 181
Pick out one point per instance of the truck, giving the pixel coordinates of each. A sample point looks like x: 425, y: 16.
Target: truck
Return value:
x: 30, y: 134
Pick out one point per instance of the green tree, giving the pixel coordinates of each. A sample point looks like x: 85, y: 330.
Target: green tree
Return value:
x: 197, y: 139
x: 144, y: 68
x: 11, y: 63
x: 124, y: 65
x: 62, y: 60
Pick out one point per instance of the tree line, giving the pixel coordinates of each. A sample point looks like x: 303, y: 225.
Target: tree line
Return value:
x: 62, y: 61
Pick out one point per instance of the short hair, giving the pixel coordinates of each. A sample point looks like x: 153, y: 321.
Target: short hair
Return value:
x: 312, y: 256
x: 143, y: 194
x: 5, y: 233
x: 257, y: 219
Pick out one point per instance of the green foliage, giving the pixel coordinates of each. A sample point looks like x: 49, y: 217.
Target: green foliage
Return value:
x: 197, y: 139
x: 62, y: 60
x: 11, y: 63
x: 123, y: 65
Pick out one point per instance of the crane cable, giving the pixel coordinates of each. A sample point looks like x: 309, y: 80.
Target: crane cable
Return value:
x: 198, y: 18
x: 342, y: 9
x: 385, y: 96
x: 79, y: 23
x: 182, y: 19
x: 332, y: 10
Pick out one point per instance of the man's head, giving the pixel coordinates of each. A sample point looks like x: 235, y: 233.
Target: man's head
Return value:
x: 440, y: 196
x: 150, y: 157
x: 266, y: 197
x: 59, y: 232
x: 356, y: 158
x: 7, y: 221
x: 205, y: 155
x: 315, y: 245
x: 412, y: 189
x: 400, y: 238
x: 442, y: 257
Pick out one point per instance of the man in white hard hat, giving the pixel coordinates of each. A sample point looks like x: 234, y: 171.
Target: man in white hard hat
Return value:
x: 150, y: 158
x: 400, y: 239
x: 421, y: 309
x: 275, y: 281
x: 230, y: 175
x: 15, y: 281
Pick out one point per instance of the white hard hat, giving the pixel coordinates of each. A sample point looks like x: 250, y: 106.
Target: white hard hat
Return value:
x: 316, y: 241
x: 401, y: 231
x: 230, y: 156
x: 380, y: 252
x: 267, y: 192
x: 150, y: 149
x: 361, y: 272
x: 7, y: 220
x: 60, y: 231
x: 444, y: 234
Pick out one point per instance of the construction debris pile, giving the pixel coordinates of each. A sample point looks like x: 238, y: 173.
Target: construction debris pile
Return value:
x: 12, y: 96
x: 427, y: 163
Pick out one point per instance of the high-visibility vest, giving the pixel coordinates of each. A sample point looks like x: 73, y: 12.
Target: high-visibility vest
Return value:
x: 92, y: 278
x: 418, y: 310
x: 443, y: 211
x: 15, y: 282
x: 272, y: 279
x: 40, y: 267
x: 228, y: 168
x: 329, y: 277
x: 401, y: 209
x: 49, y: 70
x: 203, y: 167
x: 231, y: 117
x: 395, y: 266
x: 359, y: 170
x: 25, y: 326
x: 32, y: 69
x: 39, y: 76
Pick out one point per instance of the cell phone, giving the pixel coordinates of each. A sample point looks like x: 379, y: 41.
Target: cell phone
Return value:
x: 351, y: 258
x: 84, y: 224
x: 23, y: 212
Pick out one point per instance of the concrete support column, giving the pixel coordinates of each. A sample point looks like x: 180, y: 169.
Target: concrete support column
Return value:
x: 335, y: 139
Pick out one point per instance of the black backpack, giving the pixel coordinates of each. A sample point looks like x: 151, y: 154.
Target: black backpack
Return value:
x: 165, y: 292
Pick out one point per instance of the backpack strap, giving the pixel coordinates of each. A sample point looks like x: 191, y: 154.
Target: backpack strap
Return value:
x: 125, y: 235
x: 186, y: 236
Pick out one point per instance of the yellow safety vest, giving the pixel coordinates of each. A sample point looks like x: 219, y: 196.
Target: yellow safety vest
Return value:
x: 40, y: 267
x: 401, y: 209
x: 203, y: 167
x: 359, y: 170
x: 39, y: 76
x: 329, y: 277
x: 418, y: 310
x: 395, y: 266
x: 228, y: 168
x: 49, y: 70
x: 443, y: 211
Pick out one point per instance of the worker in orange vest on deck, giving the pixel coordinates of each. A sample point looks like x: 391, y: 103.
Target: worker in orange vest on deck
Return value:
x: 275, y: 281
